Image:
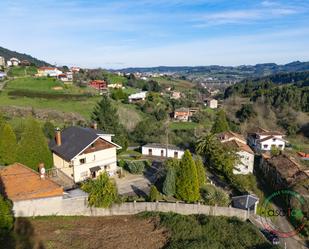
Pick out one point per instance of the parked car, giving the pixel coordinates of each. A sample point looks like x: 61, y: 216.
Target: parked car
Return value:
x: 271, y: 236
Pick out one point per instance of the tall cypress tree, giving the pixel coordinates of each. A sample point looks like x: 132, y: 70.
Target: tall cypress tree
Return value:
x: 201, y: 173
x: 169, y: 187
x: 220, y: 124
x: 187, y: 186
x: 8, y: 145
x: 105, y: 115
x: 32, y: 148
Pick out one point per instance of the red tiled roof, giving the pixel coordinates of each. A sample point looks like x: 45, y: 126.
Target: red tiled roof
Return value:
x: 22, y: 183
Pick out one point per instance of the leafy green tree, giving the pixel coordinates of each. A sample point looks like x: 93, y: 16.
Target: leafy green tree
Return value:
x: 246, y: 112
x: 169, y: 185
x: 102, y: 191
x: 32, y: 148
x: 49, y: 130
x: 274, y: 151
x: 8, y: 145
x: 201, y: 173
x: 6, y: 216
x: 218, y: 157
x: 154, y: 194
x: 187, y: 186
x: 214, y: 196
x: 105, y: 114
x: 221, y: 123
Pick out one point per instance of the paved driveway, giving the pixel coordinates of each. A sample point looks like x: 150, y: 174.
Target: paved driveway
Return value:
x: 133, y: 185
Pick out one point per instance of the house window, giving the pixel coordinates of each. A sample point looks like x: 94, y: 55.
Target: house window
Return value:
x: 92, y: 145
x: 162, y: 153
x: 176, y: 154
x: 150, y: 152
x: 274, y: 139
x: 82, y: 160
x: 265, y: 146
x: 280, y: 145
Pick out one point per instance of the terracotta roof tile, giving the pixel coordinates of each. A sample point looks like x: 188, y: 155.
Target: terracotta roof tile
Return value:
x: 22, y: 183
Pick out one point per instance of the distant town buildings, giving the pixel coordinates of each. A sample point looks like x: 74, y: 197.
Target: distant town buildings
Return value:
x: 161, y: 150
x: 66, y: 77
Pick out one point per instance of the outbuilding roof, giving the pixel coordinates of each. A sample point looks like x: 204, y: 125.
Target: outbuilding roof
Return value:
x: 74, y: 140
x: 163, y: 146
x: 19, y: 182
x: 244, y: 201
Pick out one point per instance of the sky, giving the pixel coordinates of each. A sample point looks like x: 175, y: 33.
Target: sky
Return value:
x: 143, y: 33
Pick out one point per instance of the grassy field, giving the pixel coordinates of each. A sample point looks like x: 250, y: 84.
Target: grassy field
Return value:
x: 182, y: 125
x: 48, y: 85
x: 22, y: 71
x: 179, y: 84
x: 113, y: 78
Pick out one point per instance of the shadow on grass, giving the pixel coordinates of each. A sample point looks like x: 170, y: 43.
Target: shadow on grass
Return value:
x: 22, y: 237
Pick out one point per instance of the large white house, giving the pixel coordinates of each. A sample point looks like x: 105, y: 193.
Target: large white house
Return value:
x: 83, y: 153
x: 159, y: 150
x: 244, y: 152
x: 263, y: 140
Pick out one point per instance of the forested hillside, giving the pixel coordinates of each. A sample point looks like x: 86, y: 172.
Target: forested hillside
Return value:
x: 7, y: 54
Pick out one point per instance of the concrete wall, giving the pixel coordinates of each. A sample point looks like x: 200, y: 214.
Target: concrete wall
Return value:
x: 78, y: 206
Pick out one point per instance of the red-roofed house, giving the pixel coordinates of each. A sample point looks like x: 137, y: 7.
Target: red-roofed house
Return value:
x: 100, y: 85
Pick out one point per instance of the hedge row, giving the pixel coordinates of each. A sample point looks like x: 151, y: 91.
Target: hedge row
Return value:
x: 45, y: 95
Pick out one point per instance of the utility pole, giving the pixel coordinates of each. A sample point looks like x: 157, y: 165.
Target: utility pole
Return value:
x: 166, y: 134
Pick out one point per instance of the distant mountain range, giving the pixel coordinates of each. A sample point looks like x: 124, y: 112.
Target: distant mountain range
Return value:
x: 7, y: 54
x: 237, y: 71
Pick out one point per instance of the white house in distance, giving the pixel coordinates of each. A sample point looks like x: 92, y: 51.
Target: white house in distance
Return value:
x: 2, y: 61
x: 49, y: 71
x: 212, y: 103
x: 137, y: 97
x: 263, y: 140
x: 83, y: 153
x: 159, y: 150
x: 246, y: 155
x: 13, y: 62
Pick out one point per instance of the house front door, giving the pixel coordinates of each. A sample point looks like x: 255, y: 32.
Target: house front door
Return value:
x: 93, y: 174
x: 150, y: 152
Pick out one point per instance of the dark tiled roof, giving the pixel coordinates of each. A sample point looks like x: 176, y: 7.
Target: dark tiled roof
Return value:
x: 155, y: 145
x: 73, y: 140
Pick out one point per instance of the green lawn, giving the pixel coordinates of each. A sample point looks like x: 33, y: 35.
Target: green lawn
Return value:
x: 179, y: 84
x: 22, y: 71
x: 183, y: 125
x: 114, y: 78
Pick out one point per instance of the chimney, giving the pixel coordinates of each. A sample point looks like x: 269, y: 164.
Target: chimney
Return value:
x: 58, y: 136
x: 42, y: 170
x: 95, y: 125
